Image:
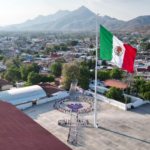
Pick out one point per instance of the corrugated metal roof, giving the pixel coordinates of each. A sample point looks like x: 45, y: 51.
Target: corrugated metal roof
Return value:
x: 16, y: 96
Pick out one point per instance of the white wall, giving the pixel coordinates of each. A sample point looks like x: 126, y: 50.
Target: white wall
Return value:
x: 136, y: 102
x: 52, y: 98
x: 24, y: 106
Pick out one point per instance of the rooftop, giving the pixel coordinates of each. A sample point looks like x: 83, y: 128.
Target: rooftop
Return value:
x: 115, y: 83
x: 4, y: 82
x: 20, y: 132
x: 50, y: 88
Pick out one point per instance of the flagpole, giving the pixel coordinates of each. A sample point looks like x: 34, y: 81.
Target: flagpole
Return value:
x: 95, y: 113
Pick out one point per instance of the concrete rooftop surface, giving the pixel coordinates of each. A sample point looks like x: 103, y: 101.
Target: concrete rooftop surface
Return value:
x: 118, y: 129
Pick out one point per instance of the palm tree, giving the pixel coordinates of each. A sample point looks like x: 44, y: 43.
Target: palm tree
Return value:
x: 136, y: 86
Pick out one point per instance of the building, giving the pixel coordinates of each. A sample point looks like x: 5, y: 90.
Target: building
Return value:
x: 22, y: 95
x: 143, y: 69
x: 53, y: 54
x: 20, y: 132
x: 5, y: 85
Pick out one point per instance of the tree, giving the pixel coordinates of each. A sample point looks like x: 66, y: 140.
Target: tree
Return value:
x: 92, y: 53
x: 72, y: 43
x: 55, y: 47
x: 63, y: 48
x: 56, y: 69
x: 27, y: 51
x: 34, y: 78
x: 70, y: 71
x: 84, y: 77
x: 138, y: 84
x: 35, y: 67
x: 48, y: 50
x: 147, y: 95
x: 42, y: 48
x: 116, y: 74
x: 144, y: 87
x: 115, y: 93
x: 28, y: 42
x: 8, y: 64
x: 91, y: 46
x: 89, y: 63
x: 48, y: 78
x: 13, y: 74
x: 103, y: 75
x: 104, y: 63
x: 28, y: 84
x: 37, y: 55
x: 1, y: 57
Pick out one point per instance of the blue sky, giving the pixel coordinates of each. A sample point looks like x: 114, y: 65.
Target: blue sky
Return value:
x: 18, y: 11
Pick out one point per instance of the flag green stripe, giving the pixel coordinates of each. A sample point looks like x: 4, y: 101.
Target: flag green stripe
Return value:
x: 106, y: 44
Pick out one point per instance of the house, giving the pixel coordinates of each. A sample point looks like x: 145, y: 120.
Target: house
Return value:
x: 143, y: 69
x: 5, y: 85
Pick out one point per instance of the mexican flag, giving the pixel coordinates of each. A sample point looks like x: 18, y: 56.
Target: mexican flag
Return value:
x: 114, y: 50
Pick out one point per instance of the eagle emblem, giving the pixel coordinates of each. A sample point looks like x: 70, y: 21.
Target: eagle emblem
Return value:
x: 118, y: 51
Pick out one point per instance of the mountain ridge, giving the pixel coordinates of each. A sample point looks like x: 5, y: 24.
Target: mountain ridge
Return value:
x: 79, y: 19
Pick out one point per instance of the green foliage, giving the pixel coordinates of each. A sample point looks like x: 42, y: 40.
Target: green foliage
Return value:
x: 84, y: 71
x: 1, y: 57
x: 37, y: 55
x: 144, y: 39
x: 105, y: 93
x: 56, y: 69
x: 63, y: 48
x: 91, y: 46
x: 103, y: 75
x: 27, y: 51
x: 115, y: 93
x: 48, y: 78
x: 145, y: 46
x: 84, y: 77
x: 144, y: 87
x: 136, y: 77
x: 34, y: 78
x: 47, y: 51
x: 89, y: 63
x: 116, y: 74
x: 55, y: 47
x: 72, y: 43
x: 48, y: 95
x: 128, y: 100
x: 25, y: 70
x: 28, y: 84
x: 92, y: 53
x: 70, y: 71
x: 138, y: 84
x: 2, y: 75
x: 42, y: 48
x: 28, y: 42
x: 147, y: 95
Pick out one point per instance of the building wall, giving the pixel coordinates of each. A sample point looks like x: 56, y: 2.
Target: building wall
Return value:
x: 6, y: 87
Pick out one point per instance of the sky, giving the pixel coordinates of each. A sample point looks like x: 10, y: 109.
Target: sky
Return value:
x: 18, y: 11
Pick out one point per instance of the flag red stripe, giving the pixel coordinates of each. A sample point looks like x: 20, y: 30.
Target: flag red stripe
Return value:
x: 129, y: 57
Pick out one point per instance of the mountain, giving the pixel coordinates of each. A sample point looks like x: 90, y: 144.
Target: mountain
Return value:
x: 80, y: 19
x: 139, y: 21
x: 43, y: 19
x: 141, y: 29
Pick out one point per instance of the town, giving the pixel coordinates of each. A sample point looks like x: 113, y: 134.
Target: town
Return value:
x: 74, y: 79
